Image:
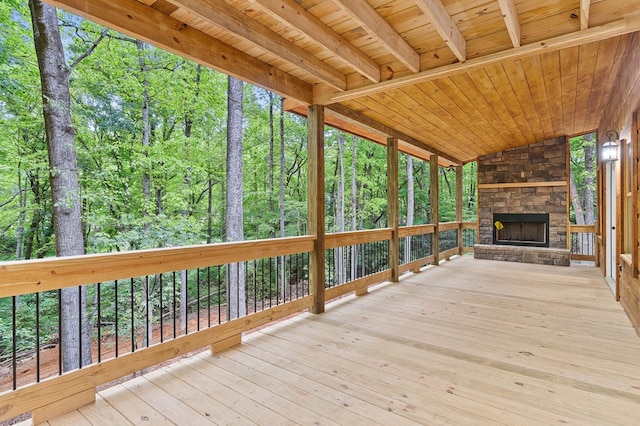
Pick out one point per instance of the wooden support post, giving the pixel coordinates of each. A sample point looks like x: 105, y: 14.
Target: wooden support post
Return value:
x: 459, y: 207
x: 392, y: 207
x: 435, y: 219
x: 567, y: 147
x: 635, y: 144
x: 315, y: 204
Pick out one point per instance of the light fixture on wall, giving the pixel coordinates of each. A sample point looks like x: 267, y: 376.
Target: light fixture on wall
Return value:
x: 610, y: 147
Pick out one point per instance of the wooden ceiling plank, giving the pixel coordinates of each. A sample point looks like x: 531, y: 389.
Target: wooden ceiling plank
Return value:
x: 518, y: 79
x: 535, y: 82
x: 569, y: 81
x: 442, y: 22
x: 221, y: 14
x: 441, y: 122
x: 366, y: 16
x: 585, y: 6
x: 482, y: 92
x: 587, y: 57
x: 606, y: 70
x: 511, y: 20
x: 391, y: 110
x: 361, y: 118
x: 622, y: 26
x: 505, y: 90
x: 448, y: 96
x: 295, y: 15
x: 553, y: 86
x: 142, y: 22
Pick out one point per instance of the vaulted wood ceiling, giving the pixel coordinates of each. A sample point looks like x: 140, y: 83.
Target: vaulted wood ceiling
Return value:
x: 458, y: 78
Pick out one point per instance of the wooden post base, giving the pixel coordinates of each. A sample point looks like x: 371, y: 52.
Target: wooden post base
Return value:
x: 225, y: 344
x: 63, y: 406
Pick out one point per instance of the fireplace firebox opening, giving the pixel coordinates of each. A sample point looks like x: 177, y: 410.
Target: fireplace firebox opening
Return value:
x: 521, y: 229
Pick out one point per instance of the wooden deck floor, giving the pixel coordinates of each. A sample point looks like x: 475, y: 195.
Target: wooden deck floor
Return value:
x: 469, y: 342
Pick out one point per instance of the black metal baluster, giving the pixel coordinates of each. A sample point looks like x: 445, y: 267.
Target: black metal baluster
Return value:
x: 198, y: 295
x: 14, y: 343
x: 186, y: 302
x: 174, y: 303
x: 99, y: 321
x: 219, y: 297
x: 146, y: 309
x: 116, y: 314
x: 161, y: 309
x: 37, y: 337
x: 133, y: 323
x: 59, y: 332
x: 80, y: 327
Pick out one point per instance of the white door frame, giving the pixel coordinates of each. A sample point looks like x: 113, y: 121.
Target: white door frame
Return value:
x: 610, y: 225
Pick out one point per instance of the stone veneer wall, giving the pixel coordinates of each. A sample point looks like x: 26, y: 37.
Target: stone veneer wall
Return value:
x: 542, y: 162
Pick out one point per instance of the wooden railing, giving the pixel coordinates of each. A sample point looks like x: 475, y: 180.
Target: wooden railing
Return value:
x: 364, y: 257
x: 274, y: 266
x: 583, y: 242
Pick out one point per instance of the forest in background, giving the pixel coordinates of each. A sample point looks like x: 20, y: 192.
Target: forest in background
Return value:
x: 151, y: 132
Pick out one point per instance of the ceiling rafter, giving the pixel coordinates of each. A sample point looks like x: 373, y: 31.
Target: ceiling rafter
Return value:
x: 510, y: 16
x: 295, y: 15
x: 149, y: 25
x: 227, y: 17
x: 613, y: 29
x: 585, y: 5
x: 441, y: 20
x: 369, y: 19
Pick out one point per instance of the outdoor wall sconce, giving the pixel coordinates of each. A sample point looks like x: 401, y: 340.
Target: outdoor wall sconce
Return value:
x: 610, y: 147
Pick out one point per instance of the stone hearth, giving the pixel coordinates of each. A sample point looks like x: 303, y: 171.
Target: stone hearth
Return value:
x: 527, y: 180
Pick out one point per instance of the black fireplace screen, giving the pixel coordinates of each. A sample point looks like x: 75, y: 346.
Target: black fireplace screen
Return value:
x: 521, y: 229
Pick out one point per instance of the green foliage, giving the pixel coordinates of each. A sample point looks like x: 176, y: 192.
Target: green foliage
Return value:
x: 183, y: 163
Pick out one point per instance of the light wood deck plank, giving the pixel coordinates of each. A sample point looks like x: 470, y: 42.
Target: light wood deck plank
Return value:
x: 468, y: 342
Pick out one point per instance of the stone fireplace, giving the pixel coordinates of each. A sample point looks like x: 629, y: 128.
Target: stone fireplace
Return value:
x: 522, y: 204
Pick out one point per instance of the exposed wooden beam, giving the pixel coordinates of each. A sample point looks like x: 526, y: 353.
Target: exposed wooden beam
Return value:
x: 231, y: 19
x: 445, y: 26
x: 295, y: 15
x: 362, y: 12
x: 510, y: 16
x: 585, y: 5
x: 147, y: 24
x: 392, y: 133
x: 613, y: 29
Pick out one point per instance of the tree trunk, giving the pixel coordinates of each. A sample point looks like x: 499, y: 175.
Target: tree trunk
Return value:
x: 283, y: 277
x: 145, y: 139
x: 354, y: 208
x: 146, y: 179
x: 65, y: 190
x: 236, y: 298
x: 410, y: 207
x: 271, y: 154
x: 339, y: 251
x: 575, y: 200
x: 589, y: 173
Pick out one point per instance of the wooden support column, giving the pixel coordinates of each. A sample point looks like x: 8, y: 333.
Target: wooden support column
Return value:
x: 459, y: 207
x: 315, y: 204
x: 635, y: 144
x: 392, y: 207
x: 434, y: 188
